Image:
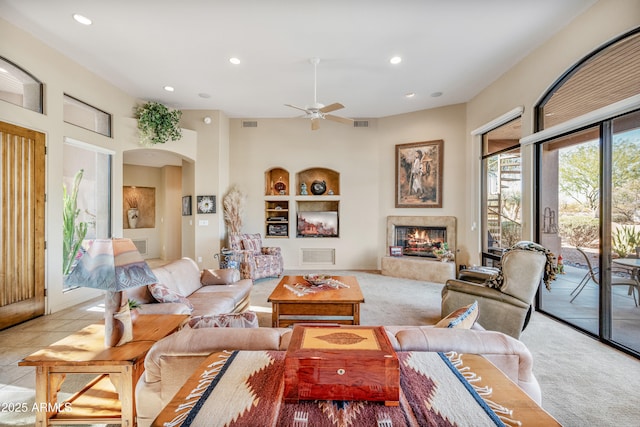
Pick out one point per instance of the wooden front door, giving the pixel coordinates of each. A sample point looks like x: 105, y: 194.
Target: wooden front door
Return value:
x: 22, y: 244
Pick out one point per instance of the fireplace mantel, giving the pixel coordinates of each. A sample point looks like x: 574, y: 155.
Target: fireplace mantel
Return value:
x: 426, y: 269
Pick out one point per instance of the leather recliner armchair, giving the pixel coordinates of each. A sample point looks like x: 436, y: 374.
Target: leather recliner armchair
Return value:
x: 507, y: 308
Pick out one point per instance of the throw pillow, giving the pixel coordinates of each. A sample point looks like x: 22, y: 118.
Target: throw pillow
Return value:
x: 462, y: 318
x: 252, y: 244
x: 163, y: 294
x: 246, y: 319
x: 223, y: 276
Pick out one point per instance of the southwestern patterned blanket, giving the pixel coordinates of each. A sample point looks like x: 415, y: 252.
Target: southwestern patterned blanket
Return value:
x: 244, y: 388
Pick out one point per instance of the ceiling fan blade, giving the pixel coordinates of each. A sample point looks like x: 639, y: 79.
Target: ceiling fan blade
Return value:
x: 297, y: 108
x: 315, y: 124
x: 338, y: 119
x: 332, y: 107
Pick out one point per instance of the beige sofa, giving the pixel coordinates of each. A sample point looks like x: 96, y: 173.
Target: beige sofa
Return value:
x: 173, y: 359
x: 183, y: 277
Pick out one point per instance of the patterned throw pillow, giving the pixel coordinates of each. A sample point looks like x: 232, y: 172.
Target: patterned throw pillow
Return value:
x: 163, y: 294
x: 252, y: 244
x: 246, y: 319
x: 462, y: 318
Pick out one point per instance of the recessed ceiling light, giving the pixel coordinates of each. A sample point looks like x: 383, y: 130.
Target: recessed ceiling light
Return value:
x: 395, y: 60
x: 169, y: 88
x: 436, y: 94
x: 409, y: 95
x: 82, y: 19
x: 234, y: 61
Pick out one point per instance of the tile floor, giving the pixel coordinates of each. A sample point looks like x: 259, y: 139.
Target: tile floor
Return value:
x: 17, y: 383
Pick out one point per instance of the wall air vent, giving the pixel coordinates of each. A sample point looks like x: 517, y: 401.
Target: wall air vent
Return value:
x: 361, y: 123
x: 141, y: 245
x: 318, y: 256
x: 249, y: 123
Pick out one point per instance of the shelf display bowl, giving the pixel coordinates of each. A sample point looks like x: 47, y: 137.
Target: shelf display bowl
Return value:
x: 317, y: 279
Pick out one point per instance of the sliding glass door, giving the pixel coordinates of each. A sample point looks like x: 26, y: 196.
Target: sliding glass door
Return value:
x: 589, y: 215
x: 625, y: 230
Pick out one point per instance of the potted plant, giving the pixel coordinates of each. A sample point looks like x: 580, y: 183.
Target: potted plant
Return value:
x: 73, y: 230
x: 133, y: 306
x: 157, y: 124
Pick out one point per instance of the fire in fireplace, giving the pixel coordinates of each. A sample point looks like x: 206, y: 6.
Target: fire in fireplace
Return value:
x: 420, y: 241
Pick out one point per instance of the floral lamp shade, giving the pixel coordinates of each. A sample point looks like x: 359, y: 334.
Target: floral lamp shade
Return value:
x: 112, y: 265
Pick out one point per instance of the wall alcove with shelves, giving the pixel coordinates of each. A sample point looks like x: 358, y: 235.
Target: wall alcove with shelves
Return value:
x: 316, y: 200
x: 276, y: 204
x: 276, y: 181
x: 317, y: 203
x: 318, y: 182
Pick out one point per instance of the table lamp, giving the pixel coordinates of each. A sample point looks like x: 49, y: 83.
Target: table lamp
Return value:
x: 112, y: 265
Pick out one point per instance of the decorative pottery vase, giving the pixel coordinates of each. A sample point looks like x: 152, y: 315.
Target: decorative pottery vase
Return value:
x: 318, y: 187
x: 303, y: 189
x: 132, y: 216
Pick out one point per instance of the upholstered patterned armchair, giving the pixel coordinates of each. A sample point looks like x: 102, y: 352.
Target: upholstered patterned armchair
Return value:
x: 257, y: 261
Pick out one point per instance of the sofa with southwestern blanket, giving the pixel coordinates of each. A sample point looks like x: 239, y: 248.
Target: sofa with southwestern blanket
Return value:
x: 183, y: 288
x: 173, y: 359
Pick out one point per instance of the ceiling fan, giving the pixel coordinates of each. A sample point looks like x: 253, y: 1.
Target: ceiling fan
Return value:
x: 318, y: 111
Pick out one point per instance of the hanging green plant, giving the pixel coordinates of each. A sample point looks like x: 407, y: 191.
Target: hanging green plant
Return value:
x: 157, y: 124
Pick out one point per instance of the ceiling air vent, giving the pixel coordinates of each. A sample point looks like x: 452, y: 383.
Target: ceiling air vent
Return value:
x: 249, y: 124
x: 361, y: 123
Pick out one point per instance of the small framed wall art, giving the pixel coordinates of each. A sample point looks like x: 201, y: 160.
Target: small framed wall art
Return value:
x: 206, y: 204
x: 186, y: 205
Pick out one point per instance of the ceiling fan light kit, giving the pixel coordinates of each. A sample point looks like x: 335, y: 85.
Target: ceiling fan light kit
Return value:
x: 318, y: 111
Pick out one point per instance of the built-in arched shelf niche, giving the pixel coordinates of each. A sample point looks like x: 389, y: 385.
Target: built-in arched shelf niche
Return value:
x: 276, y: 181
x: 330, y: 177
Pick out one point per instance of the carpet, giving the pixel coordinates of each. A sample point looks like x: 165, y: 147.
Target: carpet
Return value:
x: 583, y: 381
x: 244, y: 388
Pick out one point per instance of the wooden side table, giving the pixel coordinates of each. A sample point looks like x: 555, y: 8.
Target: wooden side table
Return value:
x: 109, y: 398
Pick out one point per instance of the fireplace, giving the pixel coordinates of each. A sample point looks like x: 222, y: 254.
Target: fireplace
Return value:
x: 419, y: 241
x: 420, y: 236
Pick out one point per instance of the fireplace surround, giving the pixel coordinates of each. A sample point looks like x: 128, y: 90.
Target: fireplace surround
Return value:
x: 424, y: 267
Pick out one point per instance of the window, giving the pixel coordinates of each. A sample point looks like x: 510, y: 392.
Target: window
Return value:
x: 608, y: 75
x: 84, y: 115
x: 501, y: 190
x: 19, y: 87
x: 94, y: 191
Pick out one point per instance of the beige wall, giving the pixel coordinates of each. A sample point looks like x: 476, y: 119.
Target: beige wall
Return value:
x: 525, y: 84
x: 60, y: 75
x: 223, y: 153
x: 164, y: 239
x: 365, y: 159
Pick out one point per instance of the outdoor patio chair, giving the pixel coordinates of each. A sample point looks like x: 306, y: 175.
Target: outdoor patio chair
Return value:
x: 592, y: 275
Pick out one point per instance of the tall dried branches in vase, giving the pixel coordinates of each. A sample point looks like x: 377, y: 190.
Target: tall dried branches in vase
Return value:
x: 233, y: 204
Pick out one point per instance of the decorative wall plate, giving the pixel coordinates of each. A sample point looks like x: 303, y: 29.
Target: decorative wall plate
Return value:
x: 280, y: 186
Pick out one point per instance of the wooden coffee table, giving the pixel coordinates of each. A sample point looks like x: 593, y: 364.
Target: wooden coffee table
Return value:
x: 109, y: 398
x: 340, y: 306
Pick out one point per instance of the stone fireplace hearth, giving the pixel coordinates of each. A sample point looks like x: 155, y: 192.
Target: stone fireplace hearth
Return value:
x: 421, y: 268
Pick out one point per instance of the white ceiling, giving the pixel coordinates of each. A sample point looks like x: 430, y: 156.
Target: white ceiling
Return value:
x: 456, y: 47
